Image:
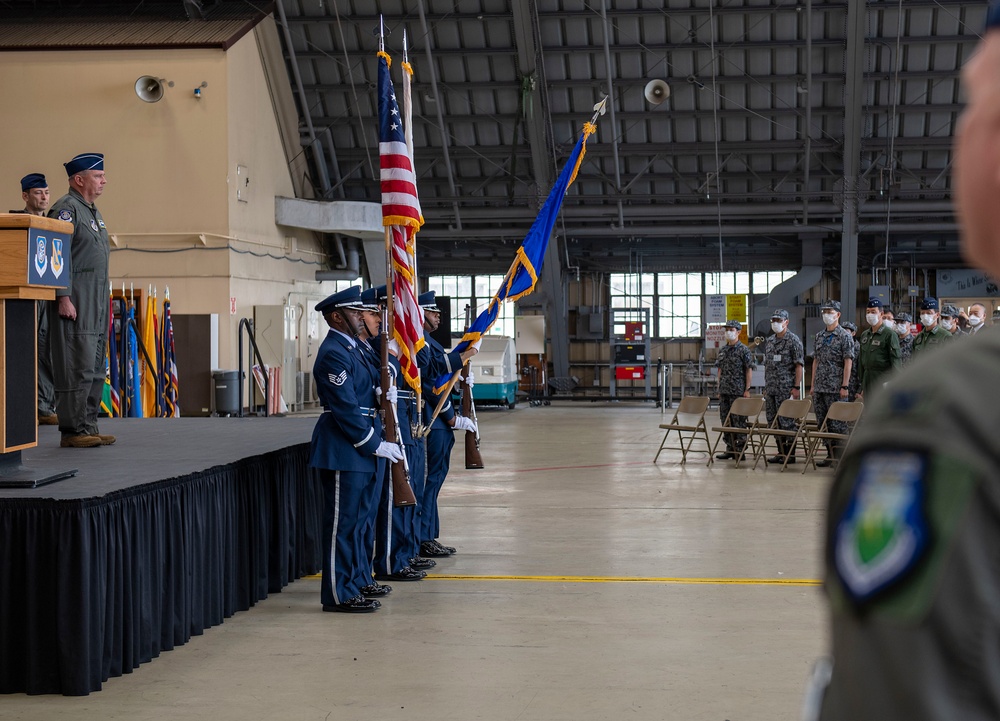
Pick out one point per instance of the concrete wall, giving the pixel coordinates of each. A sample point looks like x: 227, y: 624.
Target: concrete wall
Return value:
x: 171, y: 201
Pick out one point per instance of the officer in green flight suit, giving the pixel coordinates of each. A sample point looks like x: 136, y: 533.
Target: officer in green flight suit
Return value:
x: 79, y: 333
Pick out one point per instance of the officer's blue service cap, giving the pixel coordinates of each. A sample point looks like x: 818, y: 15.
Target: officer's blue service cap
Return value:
x: 875, y: 303
x: 832, y: 304
x: 84, y: 161
x: 350, y: 298
x: 428, y: 301
x: 849, y: 326
x: 381, y: 294
x: 734, y: 324
x: 929, y: 304
x: 950, y: 311
x: 780, y: 313
x: 904, y: 318
x: 33, y: 180
x: 369, y: 299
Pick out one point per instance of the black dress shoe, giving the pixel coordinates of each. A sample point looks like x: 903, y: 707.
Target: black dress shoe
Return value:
x: 824, y: 463
x: 375, y: 590
x: 449, y: 549
x: 358, y: 604
x: 780, y: 459
x: 422, y: 563
x: 433, y: 549
x: 404, y: 574
x: 725, y: 456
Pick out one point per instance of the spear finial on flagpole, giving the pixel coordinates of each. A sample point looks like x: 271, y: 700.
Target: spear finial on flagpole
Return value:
x: 600, y: 109
x: 406, y: 57
x: 381, y: 33
x: 166, y: 292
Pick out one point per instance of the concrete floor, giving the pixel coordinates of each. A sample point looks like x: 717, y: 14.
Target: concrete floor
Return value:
x: 571, y: 500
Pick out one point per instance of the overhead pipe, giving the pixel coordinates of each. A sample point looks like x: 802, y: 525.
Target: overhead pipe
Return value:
x: 352, y: 271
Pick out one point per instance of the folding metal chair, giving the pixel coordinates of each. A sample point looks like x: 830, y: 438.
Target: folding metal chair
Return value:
x: 793, y: 410
x: 842, y: 411
x: 689, y: 419
x: 750, y: 408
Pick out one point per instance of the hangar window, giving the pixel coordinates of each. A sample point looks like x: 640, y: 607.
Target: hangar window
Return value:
x: 474, y: 290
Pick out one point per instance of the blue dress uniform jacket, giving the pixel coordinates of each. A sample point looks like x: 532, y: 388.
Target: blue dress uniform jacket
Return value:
x: 343, y: 445
x: 434, y: 363
x: 347, y: 434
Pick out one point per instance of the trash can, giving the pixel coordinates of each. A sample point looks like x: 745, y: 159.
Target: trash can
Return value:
x: 227, y: 392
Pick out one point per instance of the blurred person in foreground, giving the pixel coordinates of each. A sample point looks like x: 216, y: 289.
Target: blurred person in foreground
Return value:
x: 913, y: 526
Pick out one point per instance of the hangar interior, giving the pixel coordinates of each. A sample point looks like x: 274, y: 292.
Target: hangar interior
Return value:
x: 791, y: 151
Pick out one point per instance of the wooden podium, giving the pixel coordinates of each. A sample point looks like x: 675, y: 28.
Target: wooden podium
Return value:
x: 34, y: 262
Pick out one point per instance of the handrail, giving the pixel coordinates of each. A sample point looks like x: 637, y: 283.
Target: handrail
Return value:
x: 123, y: 362
x: 248, y: 324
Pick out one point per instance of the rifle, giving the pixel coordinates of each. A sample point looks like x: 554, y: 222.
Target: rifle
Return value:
x: 473, y: 458
x: 399, y: 472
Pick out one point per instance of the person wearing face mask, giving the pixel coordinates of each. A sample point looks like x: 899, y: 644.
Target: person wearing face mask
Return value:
x: 879, y: 351
x: 735, y: 364
x: 888, y: 317
x: 932, y: 334
x: 903, y: 321
x: 977, y: 318
x: 950, y: 321
x: 833, y: 358
x: 911, y: 529
x: 783, y: 362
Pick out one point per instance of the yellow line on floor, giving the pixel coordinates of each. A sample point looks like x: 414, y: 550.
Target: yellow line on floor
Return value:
x: 631, y: 579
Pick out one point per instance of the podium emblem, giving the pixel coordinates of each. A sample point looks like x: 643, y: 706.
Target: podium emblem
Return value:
x: 41, y: 256
x: 57, y: 257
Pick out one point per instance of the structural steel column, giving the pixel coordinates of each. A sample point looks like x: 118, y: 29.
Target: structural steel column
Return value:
x: 552, y: 285
x: 853, y: 88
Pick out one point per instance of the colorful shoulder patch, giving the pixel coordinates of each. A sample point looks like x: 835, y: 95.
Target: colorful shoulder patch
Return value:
x: 884, y: 531
x: 65, y: 215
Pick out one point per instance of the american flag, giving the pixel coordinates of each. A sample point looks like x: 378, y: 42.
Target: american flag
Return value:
x: 401, y: 215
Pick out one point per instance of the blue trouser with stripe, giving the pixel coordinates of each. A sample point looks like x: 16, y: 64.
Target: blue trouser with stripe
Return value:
x: 440, y: 441
x: 343, y: 530
x: 369, y: 514
x: 393, y: 530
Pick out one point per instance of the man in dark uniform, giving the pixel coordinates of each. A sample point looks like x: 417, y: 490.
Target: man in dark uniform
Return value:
x: 346, y: 445
x: 386, y: 530
x: 932, y: 334
x: 903, y: 321
x: 879, y: 351
x: 434, y: 363
x: 79, y: 334
x: 911, y: 532
x: 833, y: 359
x: 35, y: 193
x: 783, y: 362
x: 735, y: 364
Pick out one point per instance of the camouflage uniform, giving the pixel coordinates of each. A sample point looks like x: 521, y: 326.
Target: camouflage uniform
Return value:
x: 905, y: 348
x: 832, y: 349
x: 781, y: 355
x: 732, y: 363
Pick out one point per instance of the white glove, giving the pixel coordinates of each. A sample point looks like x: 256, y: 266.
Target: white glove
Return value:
x: 471, y: 380
x: 394, y: 347
x: 391, y: 394
x: 392, y: 451
x: 477, y: 344
x: 464, y: 424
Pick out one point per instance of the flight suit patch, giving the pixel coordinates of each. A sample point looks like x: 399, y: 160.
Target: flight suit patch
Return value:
x: 883, y: 531
x: 65, y: 215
